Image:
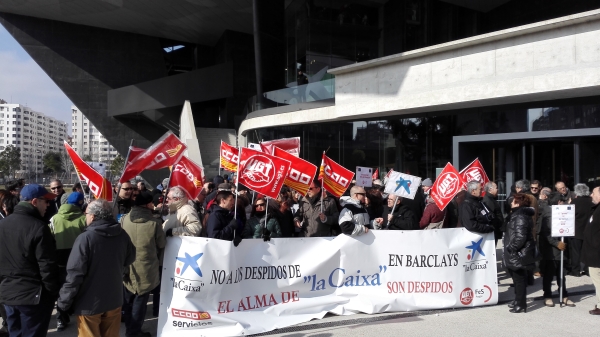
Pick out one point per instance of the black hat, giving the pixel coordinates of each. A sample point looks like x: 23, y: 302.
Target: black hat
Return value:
x: 143, y: 199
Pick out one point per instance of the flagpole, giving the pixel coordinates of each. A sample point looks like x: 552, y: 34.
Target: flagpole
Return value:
x: 266, y: 215
x: 394, y: 207
x: 237, y: 184
x: 322, y: 181
x: 220, y: 159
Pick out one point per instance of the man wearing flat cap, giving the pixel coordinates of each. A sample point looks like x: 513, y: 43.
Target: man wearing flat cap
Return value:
x: 29, y: 271
x: 142, y: 277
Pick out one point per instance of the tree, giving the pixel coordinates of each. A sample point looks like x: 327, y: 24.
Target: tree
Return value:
x: 87, y: 158
x: 116, y: 166
x: 52, y: 162
x: 66, y: 163
x: 10, y: 161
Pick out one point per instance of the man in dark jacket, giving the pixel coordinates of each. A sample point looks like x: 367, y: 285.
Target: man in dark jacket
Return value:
x: 56, y: 187
x: 490, y: 200
x: 123, y: 202
x: 28, y: 268
x: 402, y: 218
x: 94, y: 287
x: 220, y: 223
x: 583, y: 210
x: 591, y: 248
x: 471, y: 213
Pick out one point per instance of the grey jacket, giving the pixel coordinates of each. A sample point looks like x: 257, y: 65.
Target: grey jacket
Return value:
x: 308, y: 215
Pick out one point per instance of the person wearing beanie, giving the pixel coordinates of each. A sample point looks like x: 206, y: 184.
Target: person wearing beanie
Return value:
x: 66, y: 226
x: 142, y: 276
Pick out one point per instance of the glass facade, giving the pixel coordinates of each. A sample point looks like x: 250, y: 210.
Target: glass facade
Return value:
x: 420, y: 144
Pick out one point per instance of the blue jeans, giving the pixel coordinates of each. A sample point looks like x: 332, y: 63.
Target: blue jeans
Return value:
x: 134, y: 310
x: 29, y: 320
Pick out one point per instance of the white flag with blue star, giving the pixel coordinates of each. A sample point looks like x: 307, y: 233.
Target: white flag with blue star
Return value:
x: 402, y: 185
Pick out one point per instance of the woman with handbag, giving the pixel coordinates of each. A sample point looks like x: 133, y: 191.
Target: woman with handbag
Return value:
x: 520, y: 251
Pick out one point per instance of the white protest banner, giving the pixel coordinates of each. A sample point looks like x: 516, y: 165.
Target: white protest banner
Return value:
x: 402, y: 185
x: 364, y: 176
x: 211, y: 288
x: 563, y: 220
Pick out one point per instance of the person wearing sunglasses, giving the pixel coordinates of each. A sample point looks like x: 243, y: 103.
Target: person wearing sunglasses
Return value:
x: 309, y: 219
x: 30, y: 281
x: 56, y: 187
x: 262, y: 224
x: 124, y: 201
x: 354, y: 219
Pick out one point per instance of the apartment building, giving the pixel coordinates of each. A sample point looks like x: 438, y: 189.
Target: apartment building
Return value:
x: 88, y: 141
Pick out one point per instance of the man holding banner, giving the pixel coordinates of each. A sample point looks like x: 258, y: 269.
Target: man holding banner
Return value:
x: 354, y: 219
x: 309, y: 217
x: 398, y: 216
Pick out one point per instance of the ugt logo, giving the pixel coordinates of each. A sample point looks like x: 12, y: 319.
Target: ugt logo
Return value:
x: 188, y: 261
x: 259, y: 171
x: 473, y: 174
x: 449, y: 183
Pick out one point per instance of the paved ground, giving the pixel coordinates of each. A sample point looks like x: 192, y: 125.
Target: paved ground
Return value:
x: 483, y: 321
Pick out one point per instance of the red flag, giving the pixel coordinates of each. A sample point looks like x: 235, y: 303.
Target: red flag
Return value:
x: 134, y: 152
x: 262, y: 172
x: 301, y: 172
x: 289, y: 145
x: 474, y: 171
x: 334, y: 177
x: 229, y: 157
x: 163, y: 153
x: 189, y: 176
x: 100, y: 187
x: 376, y: 174
x: 447, y: 184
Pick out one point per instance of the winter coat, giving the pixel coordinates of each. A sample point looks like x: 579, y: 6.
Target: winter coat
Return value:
x: 416, y: 205
x: 471, y: 217
x: 95, y: 269
x: 533, y: 203
x: 221, y: 224
x: 353, y: 218
x: 518, y: 237
x: 431, y: 214
x: 491, y: 202
x: 308, y: 215
x: 254, y: 227
x: 548, y: 244
x: 583, y: 211
x: 590, y: 254
x: 28, y: 267
x: 184, y: 220
x: 66, y: 226
x: 403, y: 218
x: 148, y: 237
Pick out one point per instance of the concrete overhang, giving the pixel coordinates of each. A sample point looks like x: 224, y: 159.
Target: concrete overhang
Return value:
x: 547, y: 60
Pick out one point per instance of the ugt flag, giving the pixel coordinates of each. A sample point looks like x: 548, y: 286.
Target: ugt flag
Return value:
x: 262, y: 172
x: 229, y: 157
x: 301, y: 172
x: 474, y: 171
x: 189, y: 176
x: 402, y: 185
x: 289, y: 145
x: 100, y: 187
x: 447, y: 184
x: 163, y: 153
x: 334, y: 177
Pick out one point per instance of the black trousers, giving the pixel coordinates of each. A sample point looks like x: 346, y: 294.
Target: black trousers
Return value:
x: 575, y: 246
x: 551, y: 269
x: 519, y: 277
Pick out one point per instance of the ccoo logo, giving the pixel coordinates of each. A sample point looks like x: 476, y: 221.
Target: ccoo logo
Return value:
x: 259, y: 171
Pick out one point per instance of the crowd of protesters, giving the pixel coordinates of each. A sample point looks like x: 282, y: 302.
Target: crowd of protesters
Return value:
x: 100, y: 261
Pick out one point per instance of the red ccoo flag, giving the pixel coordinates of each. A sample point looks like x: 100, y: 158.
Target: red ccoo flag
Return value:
x: 301, y: 172
x: 189, y: 176
x: 474, y: 171
x: 376, y: 174
x: 229, y: 157
x: 447, y: 184
x: 262, y: 172
x: 334, y: 177
x: 163, y: 153
x: 100, y: 187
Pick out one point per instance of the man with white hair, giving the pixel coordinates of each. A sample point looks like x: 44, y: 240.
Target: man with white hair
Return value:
x: 354, y: 219
x: 583, y: 210
x: 471, y: 212
x: 183, y: 219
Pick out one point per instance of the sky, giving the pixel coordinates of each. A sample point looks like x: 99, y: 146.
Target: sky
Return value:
x: 22, y: 81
